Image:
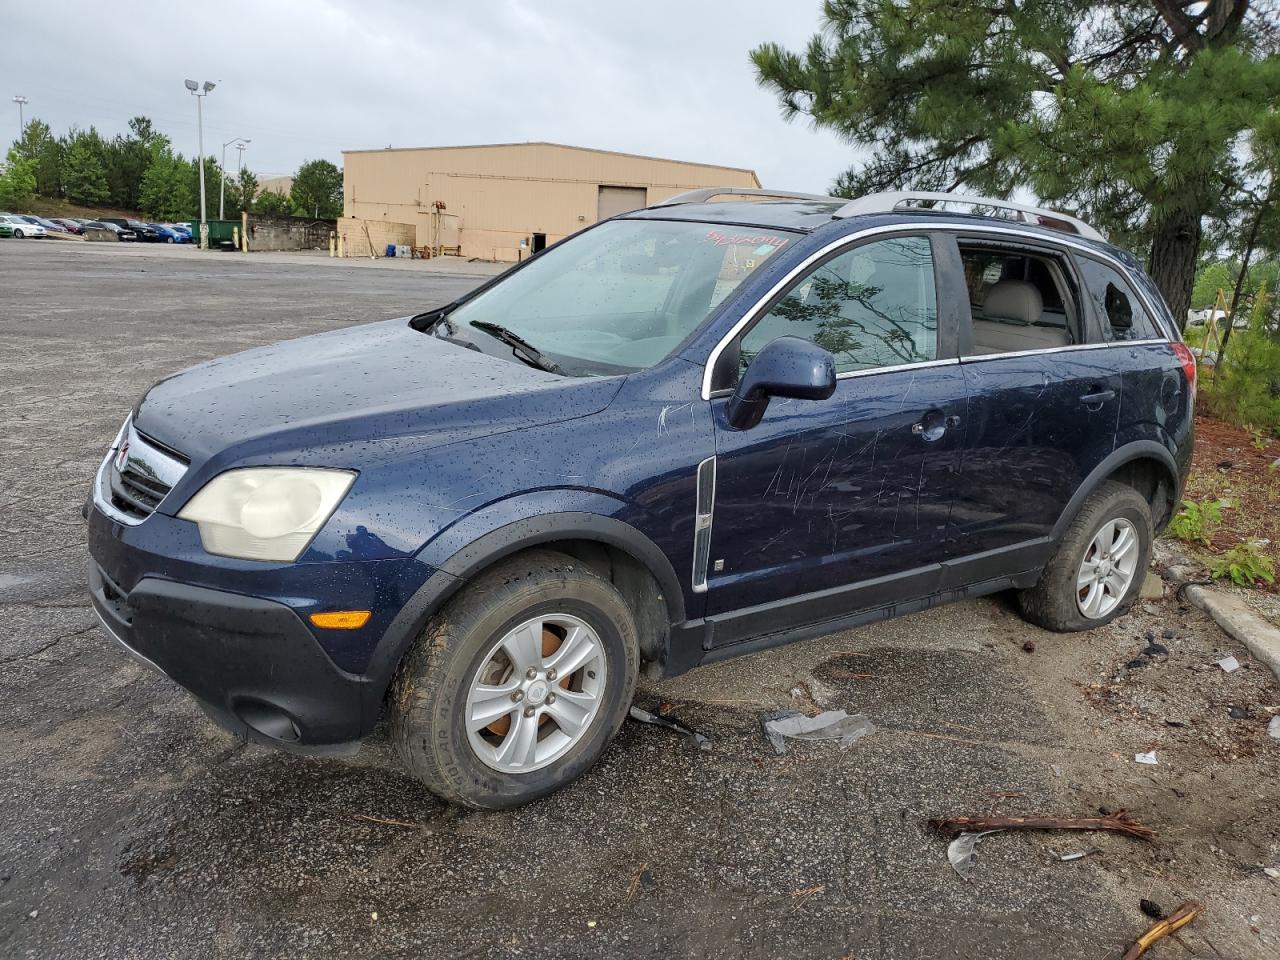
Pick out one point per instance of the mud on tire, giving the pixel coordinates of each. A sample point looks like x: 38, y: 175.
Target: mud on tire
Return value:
x: 428, y: 702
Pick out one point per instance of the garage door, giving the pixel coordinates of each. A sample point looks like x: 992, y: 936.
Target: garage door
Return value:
x: 616, y: 200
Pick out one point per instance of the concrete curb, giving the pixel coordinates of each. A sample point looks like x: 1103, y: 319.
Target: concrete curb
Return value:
x: 1240, y: 623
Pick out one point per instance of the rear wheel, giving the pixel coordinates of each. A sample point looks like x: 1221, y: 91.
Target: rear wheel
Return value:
x: 518, y: 685
x: 18, y: 234
x: 1098, y: 569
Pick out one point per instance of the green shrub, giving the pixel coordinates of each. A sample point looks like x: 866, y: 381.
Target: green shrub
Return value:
x: 1195, y: 522
x: 1245, y: 564
x: 1245, y: 389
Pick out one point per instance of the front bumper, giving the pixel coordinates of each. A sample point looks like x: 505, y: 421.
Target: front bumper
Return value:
x: 235, y: 634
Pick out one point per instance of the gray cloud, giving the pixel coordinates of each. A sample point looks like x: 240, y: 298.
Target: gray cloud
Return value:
x: 309, y: 78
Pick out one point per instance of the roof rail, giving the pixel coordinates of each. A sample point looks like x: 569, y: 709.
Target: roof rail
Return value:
x: 889, y: 202
x: 706, y: 193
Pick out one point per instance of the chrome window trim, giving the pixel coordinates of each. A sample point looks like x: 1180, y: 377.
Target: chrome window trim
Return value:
x: 149, y: 459
x: 909, y: 229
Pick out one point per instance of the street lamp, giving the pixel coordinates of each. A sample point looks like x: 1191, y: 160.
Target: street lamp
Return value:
x: 200, y: 91
x: 22, y: 126
x: 222, y: 185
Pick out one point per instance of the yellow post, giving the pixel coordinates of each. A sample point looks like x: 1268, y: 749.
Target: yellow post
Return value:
x: 342, y: 245
x: 333, y: 244
x: 235, y: 237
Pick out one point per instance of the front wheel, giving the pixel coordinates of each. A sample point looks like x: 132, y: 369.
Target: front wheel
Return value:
x: 168, y: 240
x: 518, y: 685
x: 1100, y: 564
x: 18, y: 234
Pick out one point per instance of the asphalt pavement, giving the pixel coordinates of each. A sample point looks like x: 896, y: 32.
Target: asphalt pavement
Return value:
x: 131, y: 827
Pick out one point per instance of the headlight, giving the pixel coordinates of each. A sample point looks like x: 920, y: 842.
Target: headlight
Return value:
x: 265, y: 513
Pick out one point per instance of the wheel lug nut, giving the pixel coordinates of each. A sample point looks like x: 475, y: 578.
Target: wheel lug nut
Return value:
x: 528, y: 711
x: 551, y: 698
x: 517, y: 696
x: 551, y: 675
x: 531, y: 673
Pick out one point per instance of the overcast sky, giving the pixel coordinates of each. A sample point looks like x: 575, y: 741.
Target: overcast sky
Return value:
x: 310, y: 78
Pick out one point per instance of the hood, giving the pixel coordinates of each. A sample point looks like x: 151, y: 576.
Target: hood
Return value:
x: 372, y: 382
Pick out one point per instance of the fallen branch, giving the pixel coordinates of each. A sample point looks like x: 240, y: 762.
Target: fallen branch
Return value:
x: 1173, y: 922
x: 1120, y: 822
x: 390, y: 823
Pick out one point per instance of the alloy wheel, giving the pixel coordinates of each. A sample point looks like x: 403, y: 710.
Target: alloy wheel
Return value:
x: 535, y: 694
x: 1108, y: 568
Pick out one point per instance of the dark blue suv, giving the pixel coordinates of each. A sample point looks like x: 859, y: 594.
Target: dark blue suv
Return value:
x: 683, y: 434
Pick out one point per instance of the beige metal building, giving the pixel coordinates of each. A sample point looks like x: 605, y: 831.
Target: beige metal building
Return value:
x: 487, y: 200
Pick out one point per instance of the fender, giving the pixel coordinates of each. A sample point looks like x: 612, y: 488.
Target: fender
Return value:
x: 496, y: 531
x: 1137, y: 450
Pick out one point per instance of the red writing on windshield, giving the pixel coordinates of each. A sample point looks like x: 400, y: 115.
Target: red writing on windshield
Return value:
x: 745, y: 239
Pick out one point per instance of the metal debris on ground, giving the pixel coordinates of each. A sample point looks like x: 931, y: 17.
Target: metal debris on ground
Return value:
x: 1119, y: 822
x: 961, y: 852
x: 1229, y: 664
x: 828, y: 725
x: 644, y: 716
x: 1147, y: 758
x: 1077, y: 855
x: 1170, y: 924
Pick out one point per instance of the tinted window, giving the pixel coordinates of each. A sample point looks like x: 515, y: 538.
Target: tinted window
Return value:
x: 1120, y: 313
x: 872, y: 306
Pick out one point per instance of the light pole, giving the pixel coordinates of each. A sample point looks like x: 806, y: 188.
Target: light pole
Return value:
x: 222, y: 180
x: 200, y: 91
x: 22, y: 124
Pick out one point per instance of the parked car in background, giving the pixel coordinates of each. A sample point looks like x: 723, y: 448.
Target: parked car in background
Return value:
x: 141, y: 231
x: 687, y: 433
x: 184, y: 228
x: 20, y: 227
x: 48, y: 225
x: 170, y: 235
x: 120, y: 232
x: 68, y: 225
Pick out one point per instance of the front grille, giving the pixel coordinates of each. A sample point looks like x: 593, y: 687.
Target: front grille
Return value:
x: 136, y: 475
x: 135, y: 494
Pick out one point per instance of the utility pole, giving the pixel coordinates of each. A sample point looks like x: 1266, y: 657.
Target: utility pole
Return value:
x: 22, y: 124
x: 222, y: 169
x: 200, y: 91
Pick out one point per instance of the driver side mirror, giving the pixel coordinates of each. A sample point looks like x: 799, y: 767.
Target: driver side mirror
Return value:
x: 786, y: 367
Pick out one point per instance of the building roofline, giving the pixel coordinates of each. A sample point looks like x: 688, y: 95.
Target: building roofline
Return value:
x: 564, y: 146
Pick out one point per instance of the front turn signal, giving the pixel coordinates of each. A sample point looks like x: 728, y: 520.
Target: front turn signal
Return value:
x: 341, y: 619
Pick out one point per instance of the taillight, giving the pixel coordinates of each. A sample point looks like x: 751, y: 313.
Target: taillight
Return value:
x: 1188, y: 361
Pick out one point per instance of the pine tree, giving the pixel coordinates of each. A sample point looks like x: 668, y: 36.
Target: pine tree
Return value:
x: 17, y: 180
x: 165, y: 192
x: 1137, y: 115
x: 83, y: 178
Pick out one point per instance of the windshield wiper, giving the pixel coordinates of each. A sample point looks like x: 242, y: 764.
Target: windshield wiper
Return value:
x: 522, y: 347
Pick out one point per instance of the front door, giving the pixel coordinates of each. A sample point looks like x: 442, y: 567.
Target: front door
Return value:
x: 827, y: 507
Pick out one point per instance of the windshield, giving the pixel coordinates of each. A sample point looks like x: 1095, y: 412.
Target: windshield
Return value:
x: 622, y: 296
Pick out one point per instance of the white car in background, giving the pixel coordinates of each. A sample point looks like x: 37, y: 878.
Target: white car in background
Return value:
x: 22, y: 228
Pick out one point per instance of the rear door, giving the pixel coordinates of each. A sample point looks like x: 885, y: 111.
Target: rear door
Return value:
x: 1044, y: 402
x: 826, y: 507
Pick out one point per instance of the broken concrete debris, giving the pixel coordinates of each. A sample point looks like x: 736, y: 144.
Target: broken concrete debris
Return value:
x: 1273, y: 727
x: 829, y: 725
x: 1148, y: 758
x: 1229, y: 664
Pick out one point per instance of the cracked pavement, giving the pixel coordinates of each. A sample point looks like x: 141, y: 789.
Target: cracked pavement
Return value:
x: 131, y: 827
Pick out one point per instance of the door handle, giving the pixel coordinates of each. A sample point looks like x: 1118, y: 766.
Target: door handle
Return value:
x: 933, y: 425
x: 1101, y: 396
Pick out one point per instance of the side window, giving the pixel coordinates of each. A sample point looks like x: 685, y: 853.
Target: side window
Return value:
x: 872, y: 306
x: 1018, y: 301
x: 1120, y: 313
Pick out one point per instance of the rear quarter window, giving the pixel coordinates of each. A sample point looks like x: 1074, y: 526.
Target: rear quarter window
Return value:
x: 1119, y: 312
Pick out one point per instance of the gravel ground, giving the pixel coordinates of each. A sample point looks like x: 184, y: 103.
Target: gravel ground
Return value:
x: 131, y: 827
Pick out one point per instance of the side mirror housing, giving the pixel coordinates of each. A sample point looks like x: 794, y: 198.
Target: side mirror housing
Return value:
x: 786, y: 367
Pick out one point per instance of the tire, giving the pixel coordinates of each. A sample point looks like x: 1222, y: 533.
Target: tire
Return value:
x: 18, y: 234
x: 467, y: 642
x: 168, y: 239
x: 1059, y: 601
